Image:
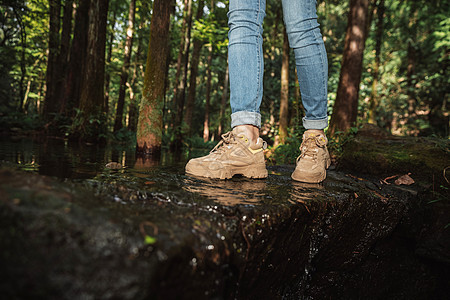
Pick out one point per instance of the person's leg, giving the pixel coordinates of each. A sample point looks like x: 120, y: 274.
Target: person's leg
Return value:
x: 241, y: 150
x: 246, y: 67
x: 303, y: 30
x: 305, y: 39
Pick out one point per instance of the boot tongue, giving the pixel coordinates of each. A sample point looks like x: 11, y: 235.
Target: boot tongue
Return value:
x: 260, y: 143
x: 318, y: 135
x: 239, y: 130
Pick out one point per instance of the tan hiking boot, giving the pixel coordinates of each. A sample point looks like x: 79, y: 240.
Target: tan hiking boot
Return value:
x: 234, y: 154
x: 314, y: 158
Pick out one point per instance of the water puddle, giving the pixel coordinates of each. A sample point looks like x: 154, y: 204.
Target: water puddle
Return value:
x: 164, y: 179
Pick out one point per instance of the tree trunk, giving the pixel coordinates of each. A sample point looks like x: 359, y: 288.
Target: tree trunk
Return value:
x: 25, y: 103
x: 208, y: 96
x: 149, y: 131
x: 223, y: 103
x: 92, y: 121
x: 181, y: 55
x: 63, y: 58
x: 374, y: 101
x: 108, y: 62
x: 51, y: 102
x: 208, y: 87
x: 181, y: 90
x: 133, y: 108
x: 284, y: 95
x: 125, y: 67
x: 78, y: 52
x: 194, y: 71
x: 345, y: 108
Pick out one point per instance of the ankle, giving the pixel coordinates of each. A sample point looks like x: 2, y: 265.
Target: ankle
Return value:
x: 316, y: 131
x: 251, y: 131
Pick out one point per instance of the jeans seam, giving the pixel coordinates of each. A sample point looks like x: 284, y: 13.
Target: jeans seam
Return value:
x: 258, y: 54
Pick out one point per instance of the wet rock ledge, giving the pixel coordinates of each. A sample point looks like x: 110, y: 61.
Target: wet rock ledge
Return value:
x: 162, y: 235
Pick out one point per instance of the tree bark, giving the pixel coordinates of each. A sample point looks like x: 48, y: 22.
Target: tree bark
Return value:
x: 125, y: 67
x: 149, y: 131
x: 345, y: 108
x: 133, y: 108
x: 50, y: 102
x: 92, y: 120
x: 208, y: 87
x: 207, y: 97
x: 284, y: 95
x: 194, y: 71
x: 63, y: 58
x: 374, y: 100
x: 108, y: 62
x: 78, y: 51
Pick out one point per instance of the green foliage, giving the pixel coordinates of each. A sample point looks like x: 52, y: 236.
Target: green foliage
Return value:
x: 337, y: 141
x: 197, y: 142
x: 288, y: 152
x: 410, y: 27
x: 124, y: 136
x: 87, y: 127
x: 17, y: 121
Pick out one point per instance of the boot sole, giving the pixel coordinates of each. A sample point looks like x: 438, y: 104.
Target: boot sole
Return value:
x: 257, y: 172
x: 312, y: 178
x: 309, y: 178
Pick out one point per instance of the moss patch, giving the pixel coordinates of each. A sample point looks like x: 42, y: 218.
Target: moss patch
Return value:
x: 425, y: 158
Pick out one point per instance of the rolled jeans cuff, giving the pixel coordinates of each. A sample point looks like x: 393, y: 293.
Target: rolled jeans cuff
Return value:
x: 315, y: 124
x: 245, y: 118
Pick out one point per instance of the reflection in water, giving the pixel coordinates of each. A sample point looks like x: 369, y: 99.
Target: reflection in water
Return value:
x: 228, y: 192
x: 162, y: 174
x: 305, y: 192
x: 56, y: 157
x: 147, y: 163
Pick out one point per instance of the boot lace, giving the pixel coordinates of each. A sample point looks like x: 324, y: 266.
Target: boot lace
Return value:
x: 227, y: 139
x: 309, y: 147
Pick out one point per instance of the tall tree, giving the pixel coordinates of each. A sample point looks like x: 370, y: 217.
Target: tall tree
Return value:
x: 133, y: 107
x: 198, y: 43
x: 78, y: 53
x: 149, y: 131
x: 284, y: 97
x: 208, y: 86
x: 181, y: 90
x: 345, y: 108
x: 125, y: 67
x: 108, y: 59
x: 63, y: 57
x: 51, y: 103
x: 91, y: 121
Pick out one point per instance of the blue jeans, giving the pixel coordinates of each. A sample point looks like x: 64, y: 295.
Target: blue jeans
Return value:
x: 246, y: 66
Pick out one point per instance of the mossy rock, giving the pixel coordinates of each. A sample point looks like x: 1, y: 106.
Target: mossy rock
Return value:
x: 374, y: 152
